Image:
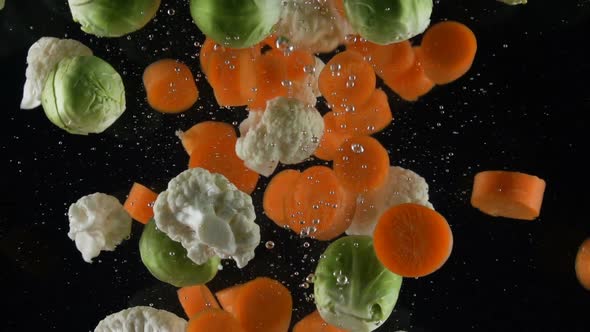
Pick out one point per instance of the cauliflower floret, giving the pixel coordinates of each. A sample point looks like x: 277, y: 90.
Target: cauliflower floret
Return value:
x: 141, y: 319
x: 42, y: 57
x: 209, y: 216
x: 98, y: 222
x: 402, y: 186
x: 314, y: 25
x: 315, y: 76
x: 288, y: 131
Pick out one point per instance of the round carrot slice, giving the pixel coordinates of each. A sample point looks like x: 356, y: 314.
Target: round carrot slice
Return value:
x: 195, y: 299
x: 508, y: 194
x: 170, y: 86
x: 314, y: 323
x: 213, y: 320
x: 276, y: 193
x: 264, y: 305
x: 368, y: 118
x: 207, y: 133
x: 449, y: 50
x: 361, y: 163
x: 583, y: 264
x: 209, y: 46
x: 412, y: 240
x: 347, y: 79
x: 332, y: 139
x: 388, y: 60
x: 140, y: 202
x: 411, y: 84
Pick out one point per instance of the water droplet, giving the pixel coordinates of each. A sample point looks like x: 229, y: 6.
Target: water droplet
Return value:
x: 309, y: 69
x: 310, y: 278
x: 286, y: 83
x: 304, y: 285
x: 269, y: 244
x: 341, y: 280
x: 350, y: 84
x: 171, y: 11
x: 335, y: 67
x: 357, y: 148
x: 306, y: 244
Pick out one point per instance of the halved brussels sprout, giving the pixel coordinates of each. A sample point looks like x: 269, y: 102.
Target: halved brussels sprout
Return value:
x: 352, y: 289
x: 386, y: 22
x: 113, y: 18
x: 167, y: 259
x: 83, y: 94
x: 236, y: 23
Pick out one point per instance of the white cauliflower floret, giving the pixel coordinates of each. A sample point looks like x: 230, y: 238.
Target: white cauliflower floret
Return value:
x: 98, y: 222
x: 314, y: 78
x: 314, y: 25
x: 402, y: 186
x: 142, y: 319
x: 42, y: 57
x: 209, y: 216
x: 288, y: 131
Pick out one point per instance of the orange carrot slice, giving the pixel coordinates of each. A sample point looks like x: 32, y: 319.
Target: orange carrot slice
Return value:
x: 318, y: 206
x: 347, y: 79
x: 264, y: 305
x: 195, y: 299
x: 140, y: 202
x: 227, y: 297
x: 232, y: 75
x: 209, y: 46
x: 361, y: 163
x: 411, y: 84
x: 508, y: 194
x: 314, y: 323
x: 207, y: 133
x: 368, y: 118
x: 388, y: 60
x: 332, y: 139
x: 170, y: 86
x: 583, y: 264
x: 339, y: 6
x: 214, y: 320
x: 412, y: 240
x: 276, y: 193
x: 449, y: 50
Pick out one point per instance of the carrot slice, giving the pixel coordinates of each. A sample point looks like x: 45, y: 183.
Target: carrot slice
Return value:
x: 214, y: 320
x: 347, y: 79
x: 207, y: 133
x: 583, y: 264
x: 209, y: 46
x: 368, y: 118
x: 170, y: 86
x: 227, y: 297
x: 264, y: 305
x: 388, y: 60
x: 318, y: 206
x: 411, y: 84
x: 232, y: 75
x: 361, y: 163
x: 332, y: 139
x: 195, y: 299
x: 449, y: 50
x: 140, y: 202
x: 314, y: 323
x: 412, y: 240
x: 508, y: 194
x: 276, y: 193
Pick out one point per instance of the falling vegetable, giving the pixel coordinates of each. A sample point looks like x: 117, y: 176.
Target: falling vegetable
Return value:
x: 314, y: 323
x: 195, y: 299
x: 412, y: 83
x: 508, y: 194
x: 170, y: 86
x: 113, y: 18
x: 141, y: 318
x: 332, y: 139
x: 276, y: 194
x: 412, y: 240
x: 448, y: 51
x: 140, y: 203
x: 366, y: 119
x: 213, y: 320
x: 583, y: 264
x: 388, y: 60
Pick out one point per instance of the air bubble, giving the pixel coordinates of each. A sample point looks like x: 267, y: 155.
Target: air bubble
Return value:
x: 269, y: 244
x: 357, y: 148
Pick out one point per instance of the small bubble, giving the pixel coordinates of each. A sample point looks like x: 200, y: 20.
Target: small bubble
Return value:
x: 341, y: 280
x: 304, y: 285
x: 172, y: 253
x: 306, y: 244
x: 310, y: 278
x: 335, y: 67
x: 357, y: 148
x: 286, y: 83
x: 309, y: 69
x: 171, y: 12
x: 269, y: 244
x: 350, y: 84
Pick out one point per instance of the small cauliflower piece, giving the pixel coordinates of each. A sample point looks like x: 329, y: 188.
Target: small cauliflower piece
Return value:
x: 98, y: 222
x: 288, y: 131
x: 313, y: 25
x: 142, y: 319
x: 42, y: 57
x: 209, y: 216
x: 402, y: 186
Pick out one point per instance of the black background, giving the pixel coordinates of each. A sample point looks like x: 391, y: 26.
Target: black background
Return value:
x: 522, y: 107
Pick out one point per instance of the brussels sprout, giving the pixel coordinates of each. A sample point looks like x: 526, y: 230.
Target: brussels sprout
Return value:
x: 392, y: 21
x: 236, y: 23
x: 113, y: 18
x: 167, y: 259
x: 83, y: 94
x: 352, y: 289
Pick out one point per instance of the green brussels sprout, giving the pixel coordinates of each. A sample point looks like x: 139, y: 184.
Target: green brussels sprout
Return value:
x: 388, y: 21
x: 167, y: 259
x: 113, y: 18
x: 236, y: 23
x: 352, y: 289
x: 83, y: 94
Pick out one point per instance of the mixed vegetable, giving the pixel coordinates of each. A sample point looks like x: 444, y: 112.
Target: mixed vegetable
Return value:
x: 262, y: 55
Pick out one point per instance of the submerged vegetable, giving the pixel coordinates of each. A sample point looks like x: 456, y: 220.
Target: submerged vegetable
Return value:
x: 236, y: 23
x: 352, y: 289
x: 113, y: 18
x: 386, y: 22
x: 167, y: 259
x: 83, y: 94
x: 514, y: 2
